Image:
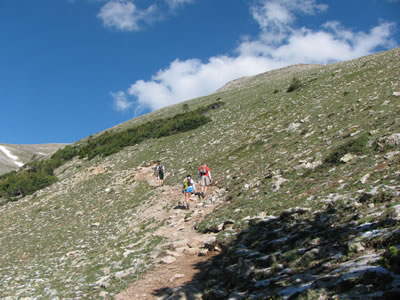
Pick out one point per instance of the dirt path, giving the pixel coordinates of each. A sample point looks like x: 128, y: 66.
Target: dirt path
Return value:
x: 185, y: 247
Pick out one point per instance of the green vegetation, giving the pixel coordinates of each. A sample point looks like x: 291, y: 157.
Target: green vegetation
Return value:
x: 391, y: 259
x: 294, y: 85
x: 40, y: 174
x: 355, y: 146
x: 112, y: 142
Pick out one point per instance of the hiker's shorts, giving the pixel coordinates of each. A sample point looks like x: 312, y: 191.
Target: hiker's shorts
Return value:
x: 189, y: 189
x: 161, y: 176
x: 205, y: 180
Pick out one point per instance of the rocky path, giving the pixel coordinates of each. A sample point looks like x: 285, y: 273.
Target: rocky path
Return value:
x: 184, y: 249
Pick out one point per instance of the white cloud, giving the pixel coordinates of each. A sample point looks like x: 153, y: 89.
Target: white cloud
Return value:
x: 192, y: 78
x: 276, y: 16
x: 174, y: 4
x: 121, y: 102
x: 123, y: 15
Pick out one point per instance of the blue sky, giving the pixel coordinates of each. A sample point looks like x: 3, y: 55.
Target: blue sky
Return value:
x: 72, y: 68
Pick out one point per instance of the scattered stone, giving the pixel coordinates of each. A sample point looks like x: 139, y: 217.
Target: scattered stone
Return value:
x: 210, y: 243
x: 347, y: 158
x: 168, y: 260
x: 278, y: 181
x: 176, y: 276
x: 355, y: 247
x: 395, y: 213
x: 393, y: 140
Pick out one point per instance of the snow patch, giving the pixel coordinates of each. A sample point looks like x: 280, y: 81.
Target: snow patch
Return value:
x: 13, y: 157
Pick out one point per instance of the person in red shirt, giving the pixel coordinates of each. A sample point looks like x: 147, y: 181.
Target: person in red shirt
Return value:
x: 205, y: 178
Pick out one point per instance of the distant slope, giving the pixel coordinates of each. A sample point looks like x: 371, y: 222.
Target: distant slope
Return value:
x: 14, y: 156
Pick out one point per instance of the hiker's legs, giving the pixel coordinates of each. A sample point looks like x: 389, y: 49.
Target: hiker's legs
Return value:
x: 204, y: 182
x: 187, y: 198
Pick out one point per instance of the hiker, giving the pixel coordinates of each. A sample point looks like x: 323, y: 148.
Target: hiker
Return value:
x: 160, y: 170
x: 188, y: 188
x: 205, y: 178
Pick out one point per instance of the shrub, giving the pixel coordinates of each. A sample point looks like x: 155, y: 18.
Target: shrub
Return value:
x: 391, y: 259
x: 355, y: 146
x: 294, y: 85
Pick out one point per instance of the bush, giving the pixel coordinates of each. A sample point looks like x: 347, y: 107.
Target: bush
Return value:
x: 355, y: 146
x: 24, y: 183
x: 112, y: 142
x: 294, y: 85
x: 391, y: 259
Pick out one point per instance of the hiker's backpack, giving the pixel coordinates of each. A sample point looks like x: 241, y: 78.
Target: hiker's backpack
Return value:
x: 160, y: 169
x: 203, y: 170
x: 187, y: 183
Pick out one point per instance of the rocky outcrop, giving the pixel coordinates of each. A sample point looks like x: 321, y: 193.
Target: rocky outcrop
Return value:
x: 332, y: 253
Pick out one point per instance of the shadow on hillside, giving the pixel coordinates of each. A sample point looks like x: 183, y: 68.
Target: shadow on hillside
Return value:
x: 270, y: 256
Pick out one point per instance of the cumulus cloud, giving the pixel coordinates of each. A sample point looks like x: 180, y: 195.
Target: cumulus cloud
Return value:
x: 277, y: 16
x: 193, y: 78
x: 278, y: 44
x: 121, y: 102
x: 125, y: 16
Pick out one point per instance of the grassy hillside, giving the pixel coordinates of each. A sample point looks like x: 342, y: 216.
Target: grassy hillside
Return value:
x: 323, y: 138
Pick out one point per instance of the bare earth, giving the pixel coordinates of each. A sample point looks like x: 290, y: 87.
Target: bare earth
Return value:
x: 177, y: 272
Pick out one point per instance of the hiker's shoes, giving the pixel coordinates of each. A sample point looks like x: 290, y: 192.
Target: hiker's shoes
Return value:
x: 202, y: 195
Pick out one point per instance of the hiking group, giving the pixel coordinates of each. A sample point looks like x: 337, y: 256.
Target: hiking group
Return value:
x: 188, y: 186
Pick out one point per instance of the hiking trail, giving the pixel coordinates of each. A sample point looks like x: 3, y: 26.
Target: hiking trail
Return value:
x: 185, y: 247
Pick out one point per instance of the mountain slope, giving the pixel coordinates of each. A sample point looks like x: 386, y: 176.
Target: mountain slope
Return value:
x: 293, y: 170
x: 14, y: 156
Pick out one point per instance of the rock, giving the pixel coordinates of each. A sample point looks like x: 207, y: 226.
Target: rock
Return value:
x: 103, y: 282
x: 347, y: 157
x: 393, y: 140
x: 178, y: 244
x: 210, y: 243
x: 355, y: 247
x: 278, y: 181
x: 395, y: 213
x: 103, y: 294
x: 237, y: 296
x: 364, y: 179
x: 168, y: 260
x: 293, y: 126
x: 124, y: 273
x: 315, y: 242
x: 228, y: 224
x: 203, y: 252
x: 191, y: 251
x: 396, y: 94
x: 176, y: 276
x: 217, y: 293
x: 391, y: 156
x: 312, y: 254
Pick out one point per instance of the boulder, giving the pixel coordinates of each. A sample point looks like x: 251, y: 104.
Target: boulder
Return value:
x: 393, y: 140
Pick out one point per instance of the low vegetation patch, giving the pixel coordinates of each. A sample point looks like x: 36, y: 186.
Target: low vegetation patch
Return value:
x: 354, y: 146
x: 294, y: 85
